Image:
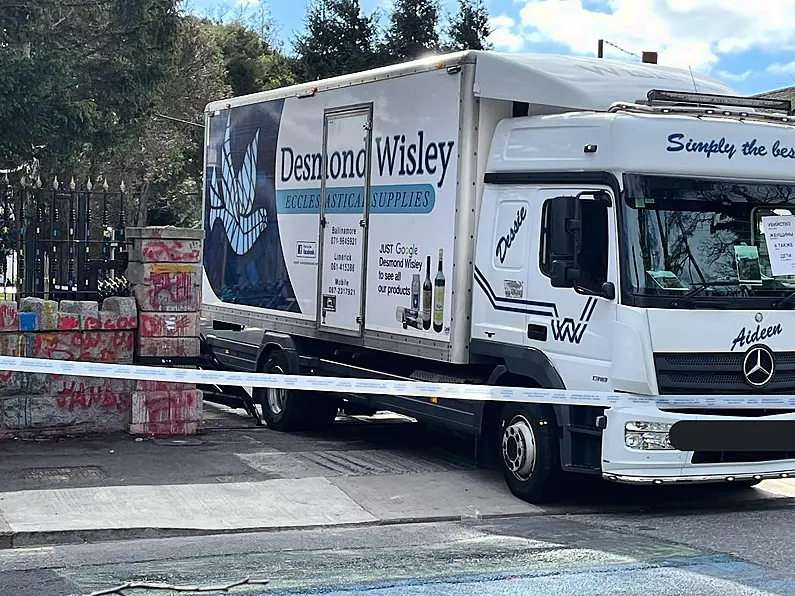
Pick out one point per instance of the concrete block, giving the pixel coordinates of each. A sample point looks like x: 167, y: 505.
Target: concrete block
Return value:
x: 157, y: 273
x: 164, y: 232
x: 184, y: 347
x: 72, y: 391
x: 86, y: 346
x: 186, y: 406
x: 40, y: 412
x: 9, y: 316
x: 165, y: 287
x: 19, y: 383
x: 79, y: 307
x: 66, y: 387
x: 46, y: 311
x: 28, y: 321
x: 110, y: 321
x: 69, y: 322
x: 120, y: 305
x: 150, y: 407
x: 157, y: 250
x: 165, y: 324
x: 166, y: 386
x: 12, y: 344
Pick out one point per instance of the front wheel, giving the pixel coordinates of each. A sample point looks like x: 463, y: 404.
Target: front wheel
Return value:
x: 289, y: 410
x: 529, y: 452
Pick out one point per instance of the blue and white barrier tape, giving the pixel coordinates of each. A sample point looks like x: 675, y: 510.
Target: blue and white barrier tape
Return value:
x: 383, y: 387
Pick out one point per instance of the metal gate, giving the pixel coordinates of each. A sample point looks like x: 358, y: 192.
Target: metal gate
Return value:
x: 62, y: 242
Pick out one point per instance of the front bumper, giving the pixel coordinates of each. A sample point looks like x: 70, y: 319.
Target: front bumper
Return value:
x: 641, y: 466
x: 703, y: 479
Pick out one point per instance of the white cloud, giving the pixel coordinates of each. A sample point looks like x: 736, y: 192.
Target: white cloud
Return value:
x: 685, y: 33
x: 503, y: 36
x: 778, y: 68
x: 737, y: 77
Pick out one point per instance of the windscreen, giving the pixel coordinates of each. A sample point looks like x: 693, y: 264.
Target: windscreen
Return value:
x: 725, y: 237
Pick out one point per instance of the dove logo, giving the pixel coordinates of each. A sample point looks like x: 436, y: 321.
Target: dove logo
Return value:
x: 231, y: 195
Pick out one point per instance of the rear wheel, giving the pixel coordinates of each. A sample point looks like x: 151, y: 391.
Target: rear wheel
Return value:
x: 529, y: 452
x: 289, y: 410
x: 742, y: 484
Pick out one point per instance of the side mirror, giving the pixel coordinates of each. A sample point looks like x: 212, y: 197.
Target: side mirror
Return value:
x: 565, y: 238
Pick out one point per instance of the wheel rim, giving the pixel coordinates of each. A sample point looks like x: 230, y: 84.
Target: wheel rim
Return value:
x: 276, y: 397
x: 519, y: 448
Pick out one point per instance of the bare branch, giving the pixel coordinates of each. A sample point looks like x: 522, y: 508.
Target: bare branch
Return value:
x: 194, y: 589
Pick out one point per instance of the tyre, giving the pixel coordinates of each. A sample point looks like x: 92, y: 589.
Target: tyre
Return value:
x: 288, y: 410
x: 529, y: 452
x: 741, y: 484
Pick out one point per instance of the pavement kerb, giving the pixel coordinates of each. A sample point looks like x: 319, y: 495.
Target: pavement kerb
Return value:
x: 39, y: 539
x: 33, y: 539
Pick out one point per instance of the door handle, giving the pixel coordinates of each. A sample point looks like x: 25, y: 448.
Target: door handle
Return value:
x: 537, y: 332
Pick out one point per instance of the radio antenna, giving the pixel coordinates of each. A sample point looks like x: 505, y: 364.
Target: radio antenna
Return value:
x: 692, y: 76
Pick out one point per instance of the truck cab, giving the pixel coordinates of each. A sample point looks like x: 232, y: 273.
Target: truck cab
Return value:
x: 642, y: 250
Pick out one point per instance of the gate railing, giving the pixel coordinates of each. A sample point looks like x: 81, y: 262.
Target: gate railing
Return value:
x: 63, y: 241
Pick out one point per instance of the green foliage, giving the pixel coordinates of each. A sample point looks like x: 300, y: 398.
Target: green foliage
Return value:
x: 339, y: 39
x: 242, y: 49
x: 79, y: 75
x: 413, y: 30
x: 85, y: 81
x: 469, y: 28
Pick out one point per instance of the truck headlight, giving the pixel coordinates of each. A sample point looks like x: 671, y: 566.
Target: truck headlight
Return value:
x: 648, y: 436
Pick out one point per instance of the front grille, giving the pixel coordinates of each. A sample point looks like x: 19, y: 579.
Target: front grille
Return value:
x: 698, y: 374
x: 737, y: 457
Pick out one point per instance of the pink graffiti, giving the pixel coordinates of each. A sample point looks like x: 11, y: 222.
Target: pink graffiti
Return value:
x: 172, y: 251
x: 165, y: 289
x: 9, y: 318
x: 164, y: 325
x: 75, y: 395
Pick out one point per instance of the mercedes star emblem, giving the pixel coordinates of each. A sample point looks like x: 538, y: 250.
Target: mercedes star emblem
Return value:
x: 759, y: 365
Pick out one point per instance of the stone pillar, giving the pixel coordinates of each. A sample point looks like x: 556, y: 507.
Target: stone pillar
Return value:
x: 165, y: 273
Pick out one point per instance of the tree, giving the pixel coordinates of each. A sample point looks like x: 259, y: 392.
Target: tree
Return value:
x: 339, y: 39
x: 413, y: 30
x: 243, y: 50
x: 163, y: 159
x: 79, y: 75
x: 469, y: 28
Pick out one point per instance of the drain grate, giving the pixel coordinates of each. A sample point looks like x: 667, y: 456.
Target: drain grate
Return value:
x: 365, y: 462
x: 62, y: 474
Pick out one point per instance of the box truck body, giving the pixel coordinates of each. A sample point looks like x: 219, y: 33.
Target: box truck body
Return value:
x: 405, y: 223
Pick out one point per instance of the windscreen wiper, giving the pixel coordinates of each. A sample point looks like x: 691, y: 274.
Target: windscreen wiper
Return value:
x: 688, y: 296
x: 785, y: 301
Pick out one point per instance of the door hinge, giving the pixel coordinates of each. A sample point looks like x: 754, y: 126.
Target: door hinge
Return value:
x: 362, y: 223
x: 359, y: 320
x: 323, y: 222
x: 368, y: 125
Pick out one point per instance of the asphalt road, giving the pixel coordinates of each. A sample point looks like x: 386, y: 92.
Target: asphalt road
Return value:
x: 602, y: 540
x: 726, y: 553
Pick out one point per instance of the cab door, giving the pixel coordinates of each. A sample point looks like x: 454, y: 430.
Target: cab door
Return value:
x: 576, y: 328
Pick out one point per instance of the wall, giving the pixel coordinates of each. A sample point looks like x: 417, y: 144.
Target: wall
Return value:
x: 166, y: 275
x: 161, y: 322
x: 33, y: 404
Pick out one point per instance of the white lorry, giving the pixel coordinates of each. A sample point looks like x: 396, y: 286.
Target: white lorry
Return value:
x: 512, y: 220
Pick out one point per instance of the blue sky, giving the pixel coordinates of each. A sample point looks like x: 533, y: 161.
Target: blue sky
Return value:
x: 751, y: 49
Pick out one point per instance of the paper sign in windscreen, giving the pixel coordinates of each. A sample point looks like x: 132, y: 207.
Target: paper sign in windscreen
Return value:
x: 747, y: 259
x: 780, y: 238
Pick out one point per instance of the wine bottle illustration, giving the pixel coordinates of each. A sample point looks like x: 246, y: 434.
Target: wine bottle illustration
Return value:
x: 427, y: 297
x: 438, y: 297
x: 415, y: 291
